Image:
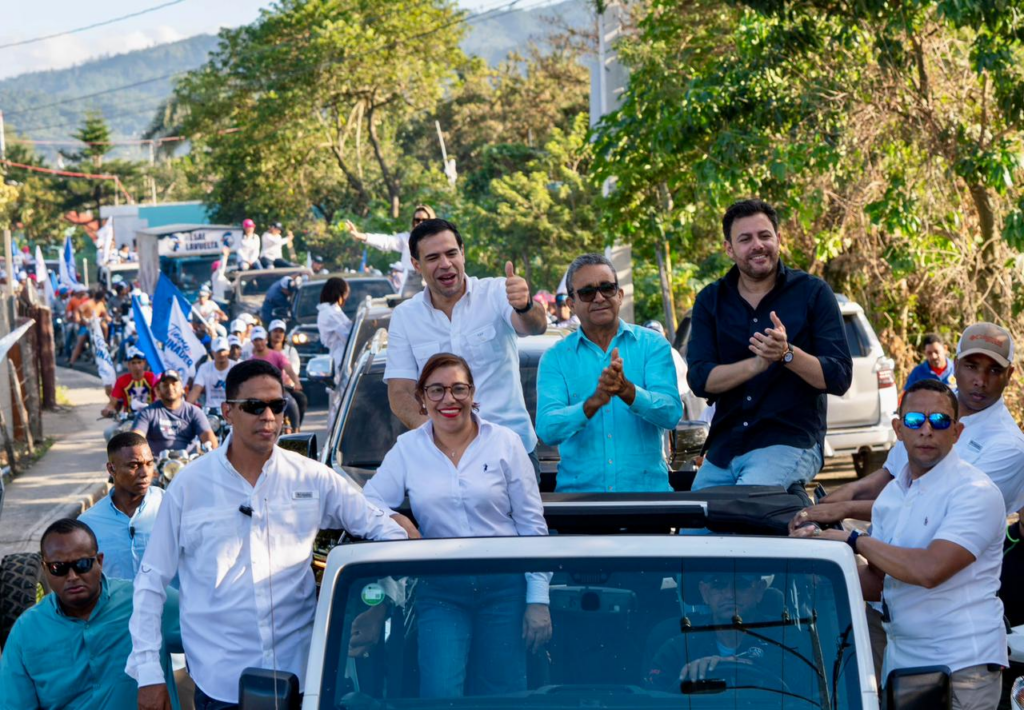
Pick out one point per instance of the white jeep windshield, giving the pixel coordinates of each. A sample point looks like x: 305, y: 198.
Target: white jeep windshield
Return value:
x: 444, y: 633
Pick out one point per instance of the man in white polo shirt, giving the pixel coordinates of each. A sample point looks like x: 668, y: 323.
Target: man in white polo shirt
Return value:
x: 478, y: 319
x: 935, y: 552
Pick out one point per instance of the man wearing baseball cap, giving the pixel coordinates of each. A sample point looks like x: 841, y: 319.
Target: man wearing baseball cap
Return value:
x: 212, y: 375
x: 133, y: 391
x: 249, y: 248
x: 171, y: 422
x: 279, y: 297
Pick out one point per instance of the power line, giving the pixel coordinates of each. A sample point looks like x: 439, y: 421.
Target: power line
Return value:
x: 90, y: 27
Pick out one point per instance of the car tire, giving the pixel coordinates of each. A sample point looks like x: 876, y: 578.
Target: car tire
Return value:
x: 868, y: 462
x: 21, y: 582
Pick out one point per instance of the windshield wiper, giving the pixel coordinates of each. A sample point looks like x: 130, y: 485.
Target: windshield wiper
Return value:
x: 737, y: 624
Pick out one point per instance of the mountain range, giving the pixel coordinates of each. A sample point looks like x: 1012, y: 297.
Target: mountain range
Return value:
x: 128, y: 88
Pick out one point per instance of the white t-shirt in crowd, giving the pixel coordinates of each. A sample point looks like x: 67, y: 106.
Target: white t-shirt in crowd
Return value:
x: 212, y: 381
x: 959, y: 623
x: 272, y: 244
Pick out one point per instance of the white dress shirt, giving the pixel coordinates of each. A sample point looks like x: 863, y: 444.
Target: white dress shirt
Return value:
x: 959, y: 623
x: 272, y: 244
x: 992, y: 442
x: 491, y: 493
x: 244, y: 602
x: 481, y: 331
x: 334, y: 328
x: 394, y: 242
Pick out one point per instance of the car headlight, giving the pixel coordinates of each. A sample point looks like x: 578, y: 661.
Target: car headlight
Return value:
x: 171, y: 468
x: 299, y: 338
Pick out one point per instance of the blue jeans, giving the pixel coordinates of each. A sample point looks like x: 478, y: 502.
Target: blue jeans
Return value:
x: 205, y: 702
x: 471, y: 627
x: 770, y: 466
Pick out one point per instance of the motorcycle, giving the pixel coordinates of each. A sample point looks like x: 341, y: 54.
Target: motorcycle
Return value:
x: 170, y: 462
x: 218, y: 424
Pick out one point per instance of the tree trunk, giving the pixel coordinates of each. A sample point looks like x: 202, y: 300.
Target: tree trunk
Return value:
x: 995, y: 301
x: 385, y: 172
x: 664, y: 271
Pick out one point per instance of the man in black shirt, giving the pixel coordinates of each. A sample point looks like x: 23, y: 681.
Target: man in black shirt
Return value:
x: 767, y: 344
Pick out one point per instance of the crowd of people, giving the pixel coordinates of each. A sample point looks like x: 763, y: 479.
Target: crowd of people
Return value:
x: 218, y: 565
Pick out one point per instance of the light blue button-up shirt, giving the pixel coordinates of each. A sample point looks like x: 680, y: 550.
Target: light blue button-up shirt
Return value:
x: 121, y: 539
x: 55, y: 661
x: 620, y: 449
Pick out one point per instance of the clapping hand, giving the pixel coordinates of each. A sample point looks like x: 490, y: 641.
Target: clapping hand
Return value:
x: 612, y: 380
x: 772, y: 344
x: 516, y: 289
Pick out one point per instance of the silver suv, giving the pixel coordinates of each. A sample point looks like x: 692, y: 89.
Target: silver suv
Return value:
x: 860, y: 422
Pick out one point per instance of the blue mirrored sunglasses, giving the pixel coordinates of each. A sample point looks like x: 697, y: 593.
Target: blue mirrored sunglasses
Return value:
x: 916, y: 420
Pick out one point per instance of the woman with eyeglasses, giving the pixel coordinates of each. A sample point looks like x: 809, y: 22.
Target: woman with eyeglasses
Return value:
x: 467, y: 477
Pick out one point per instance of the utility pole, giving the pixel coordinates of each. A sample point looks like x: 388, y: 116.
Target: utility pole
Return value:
x: 3, y: 141
x: 152, y: 163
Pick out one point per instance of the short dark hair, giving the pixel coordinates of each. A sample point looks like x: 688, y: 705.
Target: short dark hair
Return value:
x: 66, y: 526
x: 931, y: 385
x: 333, y: 289
x: 748, y: 208
x: 124, y: 440
x: 247, y: 370
x: 428, y: 228
x: 586, y: 260
x: 100, y: 294
x: 931, y: 339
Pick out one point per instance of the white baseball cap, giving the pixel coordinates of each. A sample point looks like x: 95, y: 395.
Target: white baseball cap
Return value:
x: 275, y: 324
x: 134, y: 353
x: 247, y: 318
x: 237, y: 326
x: 234, y: 340
x: 219, y: 344
x: 259, y: 333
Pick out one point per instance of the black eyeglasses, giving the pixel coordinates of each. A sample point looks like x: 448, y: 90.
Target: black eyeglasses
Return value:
x: 606, y: 289
x: 256, y: 407
x: 435, y: 393
x: 938, y: 420
x: 61, y: 569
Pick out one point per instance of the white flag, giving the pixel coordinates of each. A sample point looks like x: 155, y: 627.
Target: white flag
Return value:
x: 182, y: 348
x: 104, y: 364
x: 105, y: 241
x: 43, y: 277
x: 68, y: 275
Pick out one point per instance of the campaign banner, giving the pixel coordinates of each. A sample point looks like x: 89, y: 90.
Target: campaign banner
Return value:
x: 68, y: 274
x: 146, y: 342
x: 166, y: 292
x: 104, y: 363
x: 199, y: 241
x: 43, y: 278
x: 182, y: 349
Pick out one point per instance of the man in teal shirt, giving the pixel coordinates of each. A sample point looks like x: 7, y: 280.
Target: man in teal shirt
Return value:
x: 69, y: 650
x: 607, y: 393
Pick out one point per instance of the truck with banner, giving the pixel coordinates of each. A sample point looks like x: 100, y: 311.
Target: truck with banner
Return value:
x: 185, y: 253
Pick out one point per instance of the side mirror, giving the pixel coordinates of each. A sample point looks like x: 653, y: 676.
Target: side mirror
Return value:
x: 321, y: 369
x: 304, y: 444
x: 921, y: 688
x: 260, y: 689
x: 686, y: 442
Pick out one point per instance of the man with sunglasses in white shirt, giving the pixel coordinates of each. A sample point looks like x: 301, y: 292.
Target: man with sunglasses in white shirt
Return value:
x: 935, y: 553
x: 237, y: 527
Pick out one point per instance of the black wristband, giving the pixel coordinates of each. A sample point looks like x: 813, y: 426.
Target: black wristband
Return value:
x: 524, y: 311
x: 852, y: 540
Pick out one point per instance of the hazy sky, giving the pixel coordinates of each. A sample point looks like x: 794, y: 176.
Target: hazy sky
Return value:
x: 29, y: 19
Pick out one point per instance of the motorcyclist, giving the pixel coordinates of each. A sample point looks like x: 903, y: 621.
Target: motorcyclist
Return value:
x: 210, y: 378
x: 171, y: 422
x: 133, y: 391
x: 279, y: 295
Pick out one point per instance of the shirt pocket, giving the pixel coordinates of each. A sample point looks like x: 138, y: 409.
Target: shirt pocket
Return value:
x: 212, y: 538
x: 423, y: 352
x: 295, y: 524
x: 480, y: 346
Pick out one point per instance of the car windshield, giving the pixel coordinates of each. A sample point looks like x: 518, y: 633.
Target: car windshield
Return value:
x: 127, y: 275
x: 359, y: 289
x: 626, y: 633
x: 258, y: 284
x: 193, y: 273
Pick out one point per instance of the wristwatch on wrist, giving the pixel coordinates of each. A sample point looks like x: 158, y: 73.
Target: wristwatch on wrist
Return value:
x: 788, y: 355
x: 526, y: 309
x: 852, y: 540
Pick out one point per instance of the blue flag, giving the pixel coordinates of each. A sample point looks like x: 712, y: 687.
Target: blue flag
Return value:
x: 362, y: 264
x: 146, y: 343
x: 166, y: 292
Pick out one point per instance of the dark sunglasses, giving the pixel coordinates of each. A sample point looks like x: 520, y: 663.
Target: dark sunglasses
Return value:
x: 587, y: 293
x: 61, y: 569
x: 938, y: 420
x: 256, y: 407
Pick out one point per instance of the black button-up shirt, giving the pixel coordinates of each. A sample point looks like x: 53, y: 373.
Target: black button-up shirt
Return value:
x: 777, y: 406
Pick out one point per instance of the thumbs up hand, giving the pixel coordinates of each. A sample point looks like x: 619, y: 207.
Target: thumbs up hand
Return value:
x: 516, y: 289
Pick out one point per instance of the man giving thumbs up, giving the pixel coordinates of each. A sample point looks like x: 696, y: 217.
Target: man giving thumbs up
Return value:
x: 478, y: 319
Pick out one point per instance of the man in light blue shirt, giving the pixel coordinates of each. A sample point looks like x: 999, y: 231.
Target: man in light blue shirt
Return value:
x: 124, y: 519
x: 607, y: 393
x: 69, y: 650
